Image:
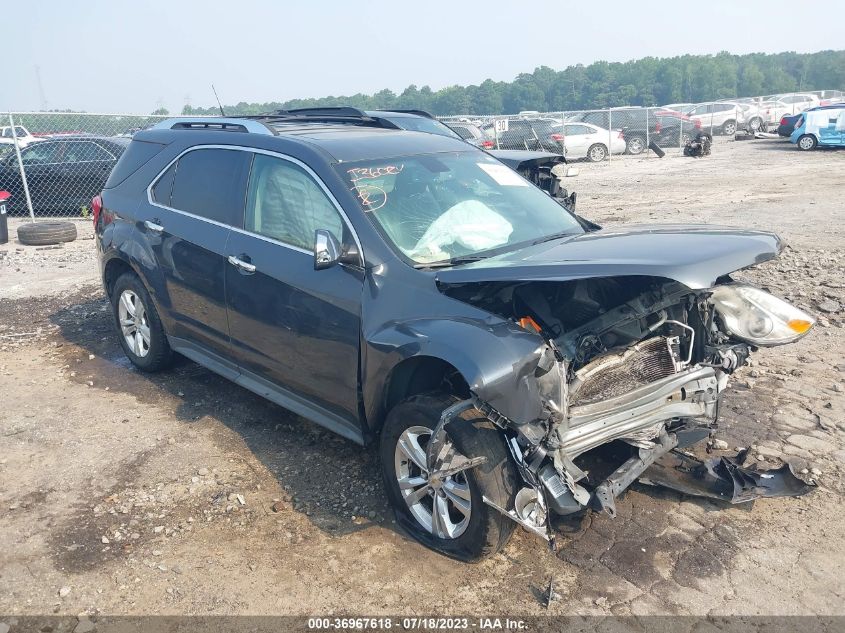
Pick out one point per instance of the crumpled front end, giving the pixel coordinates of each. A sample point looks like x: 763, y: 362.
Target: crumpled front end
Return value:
x: 632, y: 370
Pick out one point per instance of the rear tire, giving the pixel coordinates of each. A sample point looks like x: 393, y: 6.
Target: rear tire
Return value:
x: 807, y: 142
x: 597, y: 153
x: 486, y: 530
x: 729, y: 128
x: 635, y: 145
x: 138, y: 320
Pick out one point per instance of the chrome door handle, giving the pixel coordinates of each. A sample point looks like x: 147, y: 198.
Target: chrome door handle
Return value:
x: 152, y: 226
x: 241, y: 265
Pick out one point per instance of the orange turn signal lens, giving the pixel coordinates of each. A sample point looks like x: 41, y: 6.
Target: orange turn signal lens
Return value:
x: 799, y: 325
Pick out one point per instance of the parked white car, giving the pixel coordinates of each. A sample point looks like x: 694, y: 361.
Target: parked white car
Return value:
x: 799, y: 102
x: 24, y: 136
x: 585, y: 140
x: 722, y: 117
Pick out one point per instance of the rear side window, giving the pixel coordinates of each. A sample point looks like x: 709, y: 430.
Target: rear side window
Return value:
x: 85, y: 152
x: 462, y: 132
x: 135, y: 156
x: 163, y: 186
x: 211, y: 183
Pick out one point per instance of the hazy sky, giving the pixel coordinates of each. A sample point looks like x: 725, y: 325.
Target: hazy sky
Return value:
x: 120, y: 56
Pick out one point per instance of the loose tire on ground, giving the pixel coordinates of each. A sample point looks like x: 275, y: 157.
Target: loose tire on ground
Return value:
x: 46, y: 233
x: 487, y: 530
x: 157, y: 354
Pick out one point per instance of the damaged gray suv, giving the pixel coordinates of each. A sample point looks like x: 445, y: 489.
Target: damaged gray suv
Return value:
x: 511, y: 359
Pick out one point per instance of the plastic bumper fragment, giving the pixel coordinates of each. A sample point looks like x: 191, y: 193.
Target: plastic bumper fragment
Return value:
x: 723, y: 478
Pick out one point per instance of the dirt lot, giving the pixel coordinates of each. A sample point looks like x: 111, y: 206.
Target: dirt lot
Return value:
x: 180, y: 493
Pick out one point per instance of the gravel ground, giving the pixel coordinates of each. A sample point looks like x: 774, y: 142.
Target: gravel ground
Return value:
x: 180, y: 493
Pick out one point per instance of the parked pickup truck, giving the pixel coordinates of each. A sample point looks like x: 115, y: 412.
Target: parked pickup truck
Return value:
x: 24, y: 136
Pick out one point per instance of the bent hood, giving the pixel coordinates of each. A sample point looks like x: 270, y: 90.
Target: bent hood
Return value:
x: 694, y: 255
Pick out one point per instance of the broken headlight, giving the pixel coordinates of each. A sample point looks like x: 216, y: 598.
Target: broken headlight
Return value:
x: 756, y: 317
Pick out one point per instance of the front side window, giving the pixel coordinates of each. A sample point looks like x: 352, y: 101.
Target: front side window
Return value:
x: 436, y: 207
x: 210, y: 183
x: 286, y: 204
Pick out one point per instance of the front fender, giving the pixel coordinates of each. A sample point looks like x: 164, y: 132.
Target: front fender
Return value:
x: 497, y: 359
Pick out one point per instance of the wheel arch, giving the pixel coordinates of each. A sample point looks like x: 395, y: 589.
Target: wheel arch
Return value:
x: 421, y: 374
x: 410, y: 358
x: 113, y: 269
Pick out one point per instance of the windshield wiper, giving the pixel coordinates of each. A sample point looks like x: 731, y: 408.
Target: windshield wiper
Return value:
x: 554, y: 236
x: 455, y: 261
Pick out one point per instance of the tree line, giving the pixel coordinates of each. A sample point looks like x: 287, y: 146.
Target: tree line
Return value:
x: 642, y: 82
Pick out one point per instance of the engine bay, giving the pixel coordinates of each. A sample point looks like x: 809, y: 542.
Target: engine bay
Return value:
x: 633, y: 364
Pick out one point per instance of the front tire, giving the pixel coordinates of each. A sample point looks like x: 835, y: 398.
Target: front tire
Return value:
x: 138, y: 325
x: 807, y: 142
x: 451, y: 519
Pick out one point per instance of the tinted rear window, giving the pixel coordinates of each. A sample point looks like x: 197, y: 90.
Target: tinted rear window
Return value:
x: 136, y: 155
x: 163, y: 186
x: 211, y: 183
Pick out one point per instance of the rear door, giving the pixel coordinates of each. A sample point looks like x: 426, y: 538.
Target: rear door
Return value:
x: 84, y: 170
x: 292, y: 326
x: 578, y: 139
x: 194, y: 204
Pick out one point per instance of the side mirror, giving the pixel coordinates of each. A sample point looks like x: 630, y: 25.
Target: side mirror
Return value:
x: 326, y: 249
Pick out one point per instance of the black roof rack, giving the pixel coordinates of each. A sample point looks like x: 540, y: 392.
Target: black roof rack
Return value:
x: 340, y: 114
x: 345, y: 111
x: 422, y: 113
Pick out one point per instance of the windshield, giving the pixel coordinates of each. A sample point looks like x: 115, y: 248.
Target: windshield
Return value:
x: 435, y: 208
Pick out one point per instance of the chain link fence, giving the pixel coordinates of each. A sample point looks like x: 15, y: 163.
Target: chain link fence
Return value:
x: 53, y: 163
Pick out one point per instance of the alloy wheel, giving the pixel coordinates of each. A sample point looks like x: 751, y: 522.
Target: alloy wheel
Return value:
x: 636, y: 145
x: 134, y: 326
x: 442, y: 507
x: 597, y: 153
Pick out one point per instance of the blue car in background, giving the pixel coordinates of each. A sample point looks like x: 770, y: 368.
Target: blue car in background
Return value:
x: 823, y: 126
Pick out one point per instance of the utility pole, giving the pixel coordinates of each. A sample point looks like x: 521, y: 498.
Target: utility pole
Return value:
x: 41, y: 94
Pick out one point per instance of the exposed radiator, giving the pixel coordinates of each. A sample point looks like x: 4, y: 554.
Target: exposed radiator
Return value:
x: 618, y: 374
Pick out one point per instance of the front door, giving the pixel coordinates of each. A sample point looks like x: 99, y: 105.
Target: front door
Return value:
x: 292, y: 326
